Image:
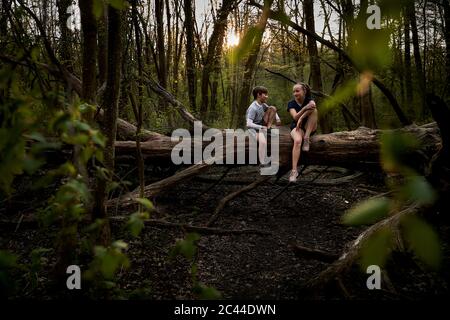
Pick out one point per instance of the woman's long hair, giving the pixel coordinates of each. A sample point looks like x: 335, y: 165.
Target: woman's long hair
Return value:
x: 307, y: 88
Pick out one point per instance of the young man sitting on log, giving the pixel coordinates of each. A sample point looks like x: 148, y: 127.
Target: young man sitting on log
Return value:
x: 261, y: 117
x: 304, y: 114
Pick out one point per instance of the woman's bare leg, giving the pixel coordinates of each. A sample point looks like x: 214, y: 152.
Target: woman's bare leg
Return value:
x: 311, y: 125
x: 297, y: 136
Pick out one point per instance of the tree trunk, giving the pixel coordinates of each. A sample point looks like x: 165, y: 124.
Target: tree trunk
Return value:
x: 411, y: 9
x: 137, y: 106
x: 364, y: 96
x: 111, y: 100
x: 250, y: 65
x: 367, y: 109
x: 89, y: 28
x: 66, y: 38
x: 447, y: 45
x: 408, y: 75
x: 316, y: 74
x: 211, y: 64
x: 169, y: 47
x: 4, y: 18
x: 102, y: 37
x: 162, y: 72
x: 190, y: 58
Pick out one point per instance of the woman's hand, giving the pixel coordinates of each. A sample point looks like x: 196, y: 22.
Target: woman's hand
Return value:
x: 310, y: 106
x: 299, y: 123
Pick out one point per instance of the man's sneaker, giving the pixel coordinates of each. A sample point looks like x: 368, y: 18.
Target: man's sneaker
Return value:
x: 305, y: 145
x: 293, y: 176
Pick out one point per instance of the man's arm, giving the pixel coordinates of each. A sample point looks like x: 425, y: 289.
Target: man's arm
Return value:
x: 251, y: 114
x: 252, y: 125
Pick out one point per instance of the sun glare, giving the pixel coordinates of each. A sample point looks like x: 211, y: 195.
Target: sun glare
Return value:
x: 232, y: 39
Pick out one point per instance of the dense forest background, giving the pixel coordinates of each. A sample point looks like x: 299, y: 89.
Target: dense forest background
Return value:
x: 90, y: 90
x: 195, y: 50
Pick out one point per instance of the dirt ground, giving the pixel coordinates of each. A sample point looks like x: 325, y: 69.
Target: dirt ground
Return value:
x: 245, y: 266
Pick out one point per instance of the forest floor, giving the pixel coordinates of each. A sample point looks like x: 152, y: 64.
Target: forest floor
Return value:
x: 245, y: 266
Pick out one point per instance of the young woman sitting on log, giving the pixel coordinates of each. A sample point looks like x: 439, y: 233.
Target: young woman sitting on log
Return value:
x: 304, y: 114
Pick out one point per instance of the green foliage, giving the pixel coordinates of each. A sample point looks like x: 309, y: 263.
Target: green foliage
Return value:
x: 423, y: 241
x: 118, y: 4
x: 8, y: 262
x: 142, y: 293
x: 98, y: 6
x: 367, y: 212
x: 247, y: 44
x: 107, y: 262
x: 250, y: 40
x: 15, y: 120
x: 148, y: 205
x: 418, y: 189
x: 396, y: 147
x: 345, y: 92
x: 186, y: 247
x: 370, y: 49
x: 70, y: 200
x: 413, y: 189
x: 136, y: 222
x: 38, y: 262
x: 375, y: 249
x: 204, y: 292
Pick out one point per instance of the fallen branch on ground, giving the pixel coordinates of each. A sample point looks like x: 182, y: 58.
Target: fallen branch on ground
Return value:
x: 233, y: 195
x: 349, y: 257
x: 198, y: 229
x: 156, y: 188
x: 316, y: 254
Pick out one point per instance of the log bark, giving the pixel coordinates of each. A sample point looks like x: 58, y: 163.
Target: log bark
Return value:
x: 355, y: 149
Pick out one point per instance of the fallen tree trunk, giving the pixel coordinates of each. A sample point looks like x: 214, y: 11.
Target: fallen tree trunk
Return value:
x: 127, y: 131
x: 355, y: 149
x: 156, y: 188
x: 359, y: 148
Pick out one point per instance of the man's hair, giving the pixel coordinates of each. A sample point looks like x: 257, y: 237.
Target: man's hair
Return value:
x: 258, y: 90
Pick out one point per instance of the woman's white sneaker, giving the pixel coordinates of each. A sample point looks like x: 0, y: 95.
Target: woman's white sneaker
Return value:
x: 305, y: 145
x: 293, y: 176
